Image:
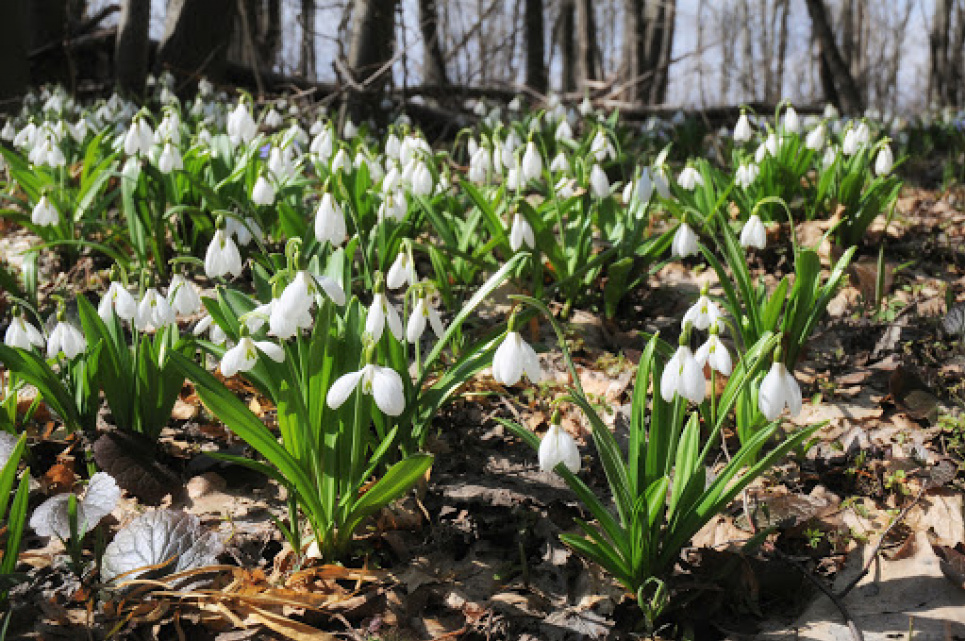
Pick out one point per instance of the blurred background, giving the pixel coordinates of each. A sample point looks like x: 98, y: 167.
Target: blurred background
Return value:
x: 897, y: 57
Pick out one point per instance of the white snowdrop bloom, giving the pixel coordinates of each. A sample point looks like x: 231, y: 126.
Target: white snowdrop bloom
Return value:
x: 243, y: 230
x: 715, y: 354
x: 683, y: 376
x: 830, y: 155
x: 215, y: 334
x: 815, y: 139
x: 65, y: 339
x: 742, y: 130
x: 754, y: 234
x: 132, y: 141
x: 513, y: 358
x: 322, y: 145
x: 563, y: 131
x: 515, y: 104
x: 222, y: 256
x: 599, y: 183
x: 852, y: 142
x: 760, y: 154
x: 684, y: 242
x: 8, y: 132
x: 329, y: 222
x: 25, y: 136
x: 601, y: 148
x: 341, y: 161
x: 884, y: 161
x: 513, y: 178
x: 350, y: 130
x: 117, y: 300
x: 292, y: 310
x: 51, y: 518
x: 383, y: 384
x: 394, y: 205
x: 78, y: 131
x: 586, y: 107
x: 560, y: 163
x: 521, y: 233
x: 44, y: 214
x: 689, y: 178
x: 421, y: 181
x: 244, y: 356
x: 792, y: 122
x: 392, y: 179
x: 640, y: 191
x: 21, y: 333
x: 393, y: 146
x: 241, y: 127
x: 263, y: 193
x: 169, y: 160
x: 204, y: 137
x: 863, y: 134
x: 381, y: 313
x: 745, y: 175
x: 153, y: 311
x: 273, y: 119
x: 558, y: 447
x: 702, y: 314
x: 532, y: 163
x: 479, y: 165
x: 773, y: 145
x: 423, y: 312
x: 169, y: 129
x: 280, y: 163
x: 183, y: 296
x: 662, y: 183
x: 565, y: 187
x: 401, y: 272
x: 779, y: 390
x: 54, y: 156
x: 511, y: 144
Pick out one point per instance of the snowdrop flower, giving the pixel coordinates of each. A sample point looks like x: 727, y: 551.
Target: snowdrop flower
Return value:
x: 169, y: 160
x: 815, y: 139
x: 262, y: 193
x: 779, y: 390
x: 383, y: 384
x: 65, y: 339
x: 742, y: 130
x: 792, y: 123
x: 381, y: 313
x: 684, y: 241
x: 515, y: 357
x: 322, y: 145
x: 153, y: 311
x: 421, y: 180
x: 703, y: 313
x: 479, y: 165
x: 884, y: 161
x: 215, y: 334
x: 244, y: 356
x: 292, y: 310
x: 683, y: 376
x: 753, y: 234
x: 341, y: 161
x: 394, y: 205
x: 52, y: 518
x: 715, y: 354
x: 183, y: 297
x: 563, y: 131
x: 599, y: 183
x: 139, y: 137
x: 118, y: 301
x: 854, y: 139
x: 521, y: 233
x: 558, y: 447
x: 746, y: 175
x: 222, y: 256
x: 830, y: 155
x: 243, y: 230
x: 241, y: 127
x: 761, y: 153
x: 423, y: 311
x: 401, y: 272
x: 329, y: 221
x: 44, y: 214
x: 689, y: 178
x: 273, y: 119
x: 21, y: 333
x: 565, y: 188
x: 350, y: 130
x: 773, y: 145
x: 532, y: 163
x: 601, y: 148
x: 560, y: 163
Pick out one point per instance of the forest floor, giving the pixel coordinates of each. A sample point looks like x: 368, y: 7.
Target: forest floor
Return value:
x: 872, y: 513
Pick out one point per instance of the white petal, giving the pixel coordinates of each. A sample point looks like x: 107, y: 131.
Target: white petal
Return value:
x: 271, y: 350
x: 417, y: 322
x: 332, y: 289
x: 670, y: 379
x: 770, y: 397
x: 388, y: 391
x: 342, y: 389
x: 793, y: 393
x: 507, y: 361
x: 233, y: 360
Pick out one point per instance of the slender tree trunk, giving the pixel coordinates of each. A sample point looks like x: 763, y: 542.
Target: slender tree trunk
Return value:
x: 634, y: 49
x: 535, y: 46
x: 196, y: 36
x: 307, y: 64
x: 782, y: 48
x: 662, y: 65
x: 434, y: 63
x: 587, y: 41
x: 13, y: 51
x: 748, y: 77
x: 849, y: 98
x: 131, y: 49
x: 938, y: 41
x: 568, y: 45
x: 957, y: 59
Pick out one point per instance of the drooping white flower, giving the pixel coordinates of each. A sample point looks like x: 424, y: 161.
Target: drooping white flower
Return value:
x: 341, y: 161
x: 44, y: 214
x: 422, y: 312
x: 322, y: 145
x: 714, y: 353
x: 292, y: 310
x: 560, y: 163
x: 117, y: 300
x: 884, y: 161
x: 792, y: 123
x: 558, y: 447
x: 421, y: 179
x: 263, y: 193
x: 273, y: 119
x: 742, y: 130
x: 703, y: 313
x: 513, y: 358
x: 329, y: 221
x: 241, y: 127
x: 65, y: 339
x: 183, y: 297
x: 153, y: 311
x: 779, y: 390
x: 382, y: 383
x: 563, y: 131
x: 215, y: 334
x: 401, y: 272
x: 815, y: 139
x: 599, y: 183
x: 746, y: 175
x: 683, y: 376
x: 243, y: 230
x: 684, y: 242
x: 51, y: 518
x: 521, y: 233
x: 22, y: 333
x: 601, y: 148
x: 381, y: 313
x: 689, y: 178
x: 244, y: 356
x: 169, y: 160
x: 532, y: 162
x: 773, y: 145
x: 222, y: 256
x: 753, y: 234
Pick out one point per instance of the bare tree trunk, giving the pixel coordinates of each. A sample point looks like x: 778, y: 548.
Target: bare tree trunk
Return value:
x: 13, y: 51
x: 535, y: 63
x: 587, y: 41
x: 307, y: 64
x: 938, y: 40
x: 434, y: 64
x: 634, y: 49
x: 568, y: 44
x: 662, y: 63
x: 371, y: 47
x: 849, y: 98
x: 196, y: 36
x: 782, y: 48
x: 748, y: 79
x: 957, y: 59
x: 131, y: 48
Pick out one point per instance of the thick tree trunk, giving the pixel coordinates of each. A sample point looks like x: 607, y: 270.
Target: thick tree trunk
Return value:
x: 849, y: 98
x: 568, y: 44
x: 196, y: 36
x: 781, y: 49
x: 372, y: 44
x: 957, y: 59
x: 47, y: 30
x: 535, y: 46
x: 13, y: 51
x: 131, y: 49
x: 434, y: 63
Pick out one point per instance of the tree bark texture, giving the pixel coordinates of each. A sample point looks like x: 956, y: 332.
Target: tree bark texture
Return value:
x: 568, y: 44
x: 838, y: 73
x: 371, y: 46
x: 132, y: 45
x: 196, y: 36
x: 434, y: 63
x: 13, y: 51
x: 535, y: 46
x: 589, y: 60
